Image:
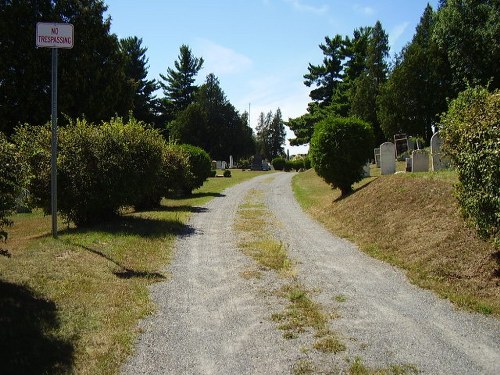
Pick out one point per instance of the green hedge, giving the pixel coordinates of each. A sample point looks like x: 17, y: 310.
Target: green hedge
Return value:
x: 10, y: 183
x: 471, y: 138
x: 199, y: 168
x: 100, y: 168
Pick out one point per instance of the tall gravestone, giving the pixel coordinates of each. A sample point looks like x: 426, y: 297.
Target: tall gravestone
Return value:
x: 419, y: 161
x: 387, y: 158
x: 257, y: 163
x: 438, y: 161
x: 366, y: 170
x: 401, y: 144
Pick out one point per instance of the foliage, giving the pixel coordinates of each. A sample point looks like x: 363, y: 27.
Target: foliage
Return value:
x: 278, y: 163
x: 145, y: 105
x: 339, y: 149
x: 10, y: 181
x: 198, y: 170
x: 212, y: 123
x: 404, y: 104
x: 366, y: 87
x: 347, y: 83
x: 467, y: 32
x: 227, y: 173
x: 271, y: 135
x: 178, y: 84
x: 471, y: 135
x: 327, y: 76
x: 100, y: 168
x: 91, y: 75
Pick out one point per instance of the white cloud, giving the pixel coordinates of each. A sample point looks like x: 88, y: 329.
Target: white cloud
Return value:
x: 301, y: 7
x: 221, y: 60
x: 396, y: 33
x: 365, y: 10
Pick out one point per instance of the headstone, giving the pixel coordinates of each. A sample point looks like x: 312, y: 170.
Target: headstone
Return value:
x: 223, y: 164
x: 387, y: 158
x: 401, y: 143
x: 366, y: 170
x: 439, y: 162
x: 231, y: 161
x: 257, y: 163
x: 376, y: 153
x: 419, y: 161
x: 219, y: 164
x: 214, y: 164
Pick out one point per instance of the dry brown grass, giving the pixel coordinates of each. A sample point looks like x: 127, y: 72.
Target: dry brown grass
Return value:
x: 412, y: 221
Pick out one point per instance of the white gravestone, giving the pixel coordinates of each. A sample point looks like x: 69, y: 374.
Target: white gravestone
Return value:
x: 438, y: 161
x: 231, y: 162
x: 366, y: 170
x: 387, y: 158
x: 419, y: 161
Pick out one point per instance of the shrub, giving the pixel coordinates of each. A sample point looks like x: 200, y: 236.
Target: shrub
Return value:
x: 245, y: 163
x: 100, y: 168
x: 471, y: 138
x: 33, y: 144
x: 199, y: 167
x: 10, y: 183
x: 213, y: 173
x: 288, y: 166
x: 297, y: 164
x: 278, y: 163
x: 339, y: 149
x: 227, y: 173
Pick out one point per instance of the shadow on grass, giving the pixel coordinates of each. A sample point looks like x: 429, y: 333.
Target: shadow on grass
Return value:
x: 196, y: 195
x: 135, y: 225
x: 342, y: 197
x: 124, y: 273
x: 26, y: 344
x: 182, y: 208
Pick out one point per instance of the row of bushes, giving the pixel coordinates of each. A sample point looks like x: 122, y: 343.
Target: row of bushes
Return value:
x: 10, y: 183
x: 297, y: 164
x: 106, y: 167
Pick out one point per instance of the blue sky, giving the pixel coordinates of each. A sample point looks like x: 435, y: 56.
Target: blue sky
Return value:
x: 259, y: 49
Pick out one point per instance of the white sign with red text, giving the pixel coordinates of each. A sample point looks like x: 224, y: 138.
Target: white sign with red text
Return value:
x: 54, y: 35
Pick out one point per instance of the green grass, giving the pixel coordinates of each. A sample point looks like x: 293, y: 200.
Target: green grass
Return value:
x: 358, y: 368
x: 72, y: 305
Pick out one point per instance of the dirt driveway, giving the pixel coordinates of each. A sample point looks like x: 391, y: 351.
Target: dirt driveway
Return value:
x: 211, y: 320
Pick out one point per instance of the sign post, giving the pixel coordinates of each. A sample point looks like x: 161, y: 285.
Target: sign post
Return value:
x: 54, y: 36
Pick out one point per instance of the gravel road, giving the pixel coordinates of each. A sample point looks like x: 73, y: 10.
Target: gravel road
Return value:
x: 210, y: 320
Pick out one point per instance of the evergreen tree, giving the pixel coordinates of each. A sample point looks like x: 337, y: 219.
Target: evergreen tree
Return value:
x: 212, y: 123
x: 271, y: 135
x: 415, y: 93
x: 326, y: 77
x: 468, y: 32
x: 178, y: 84
x: 366, y: 87
x: 91, y: 79
x: 145, y: 105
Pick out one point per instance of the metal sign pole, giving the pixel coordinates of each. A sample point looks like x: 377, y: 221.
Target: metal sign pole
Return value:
x: 53, y: 162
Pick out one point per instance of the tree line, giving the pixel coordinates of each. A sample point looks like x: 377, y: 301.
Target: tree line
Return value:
x: 103, y: 77
x: 453, y: 47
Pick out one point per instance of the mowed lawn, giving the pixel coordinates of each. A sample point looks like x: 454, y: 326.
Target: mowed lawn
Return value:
x: 72, y: 304
x: 412, y: 220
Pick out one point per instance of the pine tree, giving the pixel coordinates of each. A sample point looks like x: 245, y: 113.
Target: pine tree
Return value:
x: 145, y: 104
x: 178, y: 84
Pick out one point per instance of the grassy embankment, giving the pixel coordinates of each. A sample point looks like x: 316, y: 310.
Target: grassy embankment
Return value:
x: 72, y: 305
x: 411, y: 220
